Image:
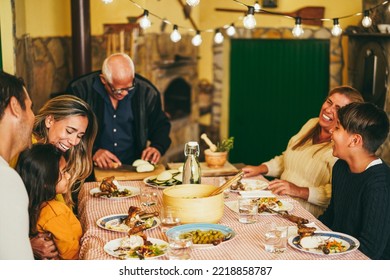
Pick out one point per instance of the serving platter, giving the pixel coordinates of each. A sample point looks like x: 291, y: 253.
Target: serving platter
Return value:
x: 134, y: 191
x: 148, y: 183
x: 310, y: 244
x: 251, y: 185
x: 112, y: 246
x: 286, y: 206
x: 227, y: 231
x: 114, y: 223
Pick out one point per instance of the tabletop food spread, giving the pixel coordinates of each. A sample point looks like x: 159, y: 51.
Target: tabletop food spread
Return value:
x: 120, y: 228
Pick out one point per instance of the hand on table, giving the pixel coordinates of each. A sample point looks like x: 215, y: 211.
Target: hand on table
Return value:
x: 105, y: 159
x: 43, y: 247
x: 250, y: 170
x: 282, y: 187
x: 151, y: 154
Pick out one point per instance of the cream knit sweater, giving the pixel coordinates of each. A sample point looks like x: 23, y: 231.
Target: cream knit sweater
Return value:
x: 308, y: 166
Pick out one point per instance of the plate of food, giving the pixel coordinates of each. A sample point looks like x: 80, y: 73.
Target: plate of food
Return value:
x: 325, y: 243
x: 111, y: 189
x: 205, y: 235
x: 265, y: 202
x: 118, y: 223
x: 165, y: 179
x: 120, y: 193
x: 249, y: 185
x: 136, y: 247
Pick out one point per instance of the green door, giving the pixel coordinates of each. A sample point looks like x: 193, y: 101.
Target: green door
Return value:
x: 275, y: 87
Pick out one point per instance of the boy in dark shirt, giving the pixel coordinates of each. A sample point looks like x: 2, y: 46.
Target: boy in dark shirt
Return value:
x: 360, y: 203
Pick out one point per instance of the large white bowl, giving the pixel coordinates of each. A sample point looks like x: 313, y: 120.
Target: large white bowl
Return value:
x: 191, y: 205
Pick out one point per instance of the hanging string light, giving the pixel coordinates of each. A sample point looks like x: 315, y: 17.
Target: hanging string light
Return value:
x: 298, y: 30
x: 192, y: 3
x: 336, y: 30
x: 257, y: 6
x: 366, y: 21
x: 107, y: 1
x: 249, y: 20
x: 197, y: 39
x: 218, y: 38
x: 145, y: 21
x: 175, y: 35
x: 231, y: 30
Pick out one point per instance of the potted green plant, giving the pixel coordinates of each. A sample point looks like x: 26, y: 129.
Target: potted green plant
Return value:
x: 217, y: 155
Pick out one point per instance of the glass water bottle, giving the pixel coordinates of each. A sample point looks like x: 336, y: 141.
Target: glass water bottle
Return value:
x: 191, y: 168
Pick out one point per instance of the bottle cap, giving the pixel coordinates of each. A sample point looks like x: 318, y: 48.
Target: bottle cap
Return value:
x: 192, y: 143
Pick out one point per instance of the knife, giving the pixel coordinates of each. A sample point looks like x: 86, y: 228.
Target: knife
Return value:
x: 125, y: 167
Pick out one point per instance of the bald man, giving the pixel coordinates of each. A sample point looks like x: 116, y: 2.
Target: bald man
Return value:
x: 132, y: 124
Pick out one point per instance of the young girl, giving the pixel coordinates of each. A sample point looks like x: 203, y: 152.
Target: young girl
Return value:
x: 43, y: 171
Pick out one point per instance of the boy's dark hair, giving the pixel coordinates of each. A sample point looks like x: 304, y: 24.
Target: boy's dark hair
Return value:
x: 366, y: 119
x: 10, y: 86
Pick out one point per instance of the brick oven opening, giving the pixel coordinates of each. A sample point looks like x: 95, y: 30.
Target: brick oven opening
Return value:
x: 177, y: 99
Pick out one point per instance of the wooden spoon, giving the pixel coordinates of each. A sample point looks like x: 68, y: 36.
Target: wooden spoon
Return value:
x: 228, y: 183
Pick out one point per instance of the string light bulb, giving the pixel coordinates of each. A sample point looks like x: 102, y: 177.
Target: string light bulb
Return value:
x: 192, y: 3
x: 145, y: 23
x: 366, y: 21
x: 257, y: 6
x: 231, y: 30
x: 336, y: 30
x: 298, y: 30
x: 218, y: 38
x: 175, y: 35
x: 249, y: 20
x: 107, y: 1
x: 197, y: 39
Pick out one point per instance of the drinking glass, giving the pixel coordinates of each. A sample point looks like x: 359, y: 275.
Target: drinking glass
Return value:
x: 275, y: 238
x: 148, y: 196
x: 169, y: 218
x: 180, y: 246
x: 247, y: 209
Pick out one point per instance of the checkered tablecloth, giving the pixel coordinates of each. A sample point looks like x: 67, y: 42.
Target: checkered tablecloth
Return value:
x: 246, y: 245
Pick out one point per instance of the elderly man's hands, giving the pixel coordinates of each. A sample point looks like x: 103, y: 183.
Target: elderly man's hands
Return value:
x: 151, y: 154
x: 105, y: 159
x: 43, y: 247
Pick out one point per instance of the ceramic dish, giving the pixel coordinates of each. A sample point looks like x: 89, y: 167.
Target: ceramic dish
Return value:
x: 286, y: 206
x: 312, y: 244
x: 134, y: 191
x: 114, y: 223
x: 227, y: 231
x: 155, y: 185
x: 112, y: 246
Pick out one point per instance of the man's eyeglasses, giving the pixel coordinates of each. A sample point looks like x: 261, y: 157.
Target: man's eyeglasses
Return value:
x: 118, y: 91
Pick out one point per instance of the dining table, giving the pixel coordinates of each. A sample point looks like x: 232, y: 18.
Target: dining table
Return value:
x: 246, y: 244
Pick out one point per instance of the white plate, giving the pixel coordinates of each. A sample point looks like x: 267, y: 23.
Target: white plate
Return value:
x: 114, y: 223
x: 134, y: 192
x: 310, y: 244
x: 203, y: 227
x: 111, y: 246
x: 286, y: 206
x: 154, y: 185
x: 252, y: 185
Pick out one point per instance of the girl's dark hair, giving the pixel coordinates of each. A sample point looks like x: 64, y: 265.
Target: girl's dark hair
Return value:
x: 39, y: 168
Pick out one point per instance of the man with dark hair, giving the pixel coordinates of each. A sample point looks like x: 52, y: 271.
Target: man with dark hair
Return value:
x: 360, y: 202
x: 16, y: 122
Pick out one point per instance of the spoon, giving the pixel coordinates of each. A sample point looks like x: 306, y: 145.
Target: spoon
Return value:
x: 227, y: 184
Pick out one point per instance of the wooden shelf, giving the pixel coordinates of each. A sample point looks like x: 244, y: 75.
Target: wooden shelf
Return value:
x: 368, y: 35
